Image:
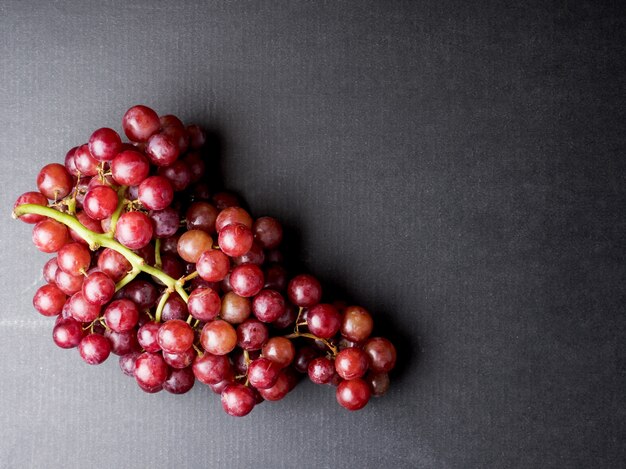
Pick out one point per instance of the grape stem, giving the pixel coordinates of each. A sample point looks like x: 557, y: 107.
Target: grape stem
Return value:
x: 157, y: 253
x: 161, y: 305
x: 308, y: 335
x: 191, y: 276
x: 97, y: 240
x: 121, y: 192
x: 298, y: 323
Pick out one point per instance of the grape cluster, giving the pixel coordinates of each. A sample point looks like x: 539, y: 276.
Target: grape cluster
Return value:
x: 183, y: 284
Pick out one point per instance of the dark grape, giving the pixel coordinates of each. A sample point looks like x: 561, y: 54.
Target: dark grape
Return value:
x: 254, y: 256
x: 196, y: 166
x: 378, y: 382
x: 275, y: 277
x: 201, y: 216
x: 197, y: 137
x: 141, y: 292
x: 268, y: 232
x: 127, y: 363
x: 304, y: 290
x: 303, y: 357
x: 175, y: 308
x: 165, y: 222
x: 177, y: 173
x: 179, y: 381
x: 122, y: 343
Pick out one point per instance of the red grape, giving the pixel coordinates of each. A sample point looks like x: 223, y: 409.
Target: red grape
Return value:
x: 49, y: 300
x: 50, y: 235
x: 140, y: 122
x: 104, y: 144
x: 134, y: 230
x: 94, y: 349
x: 130, y: 168
x: 175, y: 336
x: 36, y: 198
x: 353, y: 394
x: 304, y: 290
x: 54, y: 181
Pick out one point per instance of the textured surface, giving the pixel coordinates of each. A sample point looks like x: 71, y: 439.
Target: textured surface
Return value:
x: 457, y: 169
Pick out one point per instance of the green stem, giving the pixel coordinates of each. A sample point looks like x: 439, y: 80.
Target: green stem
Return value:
x: 96, y: 240
x: 129, y: 277
x: 161, y: 305
x: 121, y: 194
x: 157, y: 253
x: 295, y: 335
x: 191, y: 276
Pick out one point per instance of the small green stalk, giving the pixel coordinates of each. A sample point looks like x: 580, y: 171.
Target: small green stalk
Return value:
x: 121, y: 193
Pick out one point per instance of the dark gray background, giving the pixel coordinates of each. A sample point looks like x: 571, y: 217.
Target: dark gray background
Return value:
x: 458, y: 169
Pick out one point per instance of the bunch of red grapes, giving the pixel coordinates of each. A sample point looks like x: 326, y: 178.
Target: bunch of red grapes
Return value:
x: 183, y: 284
